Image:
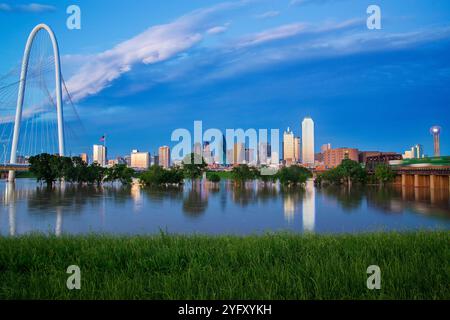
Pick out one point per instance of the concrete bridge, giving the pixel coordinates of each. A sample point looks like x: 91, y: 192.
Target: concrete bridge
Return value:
x: 434, y: 177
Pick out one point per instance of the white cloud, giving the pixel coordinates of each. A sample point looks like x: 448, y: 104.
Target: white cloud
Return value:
x: 156, y: 44
x: 217, y: 29
x: 31, y: 7
x: 36, y: 7
x: 268, y: 14
x: 294, y: 29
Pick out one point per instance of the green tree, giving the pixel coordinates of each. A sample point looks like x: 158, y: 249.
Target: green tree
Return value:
x: 213, y: 177
x: 193, y: 166
x: 119, y: 172
x: 45, y: 167
x: 384, y: 174
x: 95, y: 173
x: 243, y: 172
x: 293, y: 175
x: 157, y: 175
x: 352, y: 171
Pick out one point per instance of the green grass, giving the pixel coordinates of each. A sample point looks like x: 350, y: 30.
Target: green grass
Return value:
x: 280, y: 266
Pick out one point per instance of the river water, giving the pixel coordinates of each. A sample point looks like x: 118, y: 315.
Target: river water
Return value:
x: 223, y: 208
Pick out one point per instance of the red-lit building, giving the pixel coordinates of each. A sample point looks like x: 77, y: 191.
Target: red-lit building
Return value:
x: 333, y: 157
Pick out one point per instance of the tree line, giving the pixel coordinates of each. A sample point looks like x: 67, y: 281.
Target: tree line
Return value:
x: 50, y: 168
x: 351, y: 172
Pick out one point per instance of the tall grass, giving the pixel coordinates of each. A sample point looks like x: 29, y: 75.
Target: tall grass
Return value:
x: 278, y: 266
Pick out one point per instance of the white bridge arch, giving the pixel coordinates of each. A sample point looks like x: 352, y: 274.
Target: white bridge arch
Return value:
x: 20, y: 96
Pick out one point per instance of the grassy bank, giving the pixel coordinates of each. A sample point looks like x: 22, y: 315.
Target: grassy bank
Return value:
x: 284, y: 266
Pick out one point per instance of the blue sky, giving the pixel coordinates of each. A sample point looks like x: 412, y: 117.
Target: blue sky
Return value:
x: 140, y: 69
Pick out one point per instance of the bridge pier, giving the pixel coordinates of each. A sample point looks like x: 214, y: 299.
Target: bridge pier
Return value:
x: 11, y: 176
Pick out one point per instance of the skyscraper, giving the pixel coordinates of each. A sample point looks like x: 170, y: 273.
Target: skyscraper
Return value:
x: 308, y: 141
x: 297, y: 152
x: 263, y: 152
x: 164, y: 156
x: 84, y: 157
x: 99, y: 155
x: 417, y: 151
x: 140, y: 160
x: 239, y: 153
x: 288, y: 147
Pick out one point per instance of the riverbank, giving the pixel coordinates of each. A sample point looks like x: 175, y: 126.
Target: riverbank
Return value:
x: 281, y: 266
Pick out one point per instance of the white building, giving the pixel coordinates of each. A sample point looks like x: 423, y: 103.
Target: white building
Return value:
x: 99, y: 155
x: 308, y: 141
x: 140, y: 160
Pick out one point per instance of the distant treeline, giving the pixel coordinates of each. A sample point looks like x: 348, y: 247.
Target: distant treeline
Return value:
x: 50, y: 168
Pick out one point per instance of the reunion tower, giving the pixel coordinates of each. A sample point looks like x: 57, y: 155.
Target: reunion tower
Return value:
x: 435, y: 131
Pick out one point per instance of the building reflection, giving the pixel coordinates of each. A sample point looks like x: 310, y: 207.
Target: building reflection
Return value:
x: 309, y: 207
x: 289, y: 208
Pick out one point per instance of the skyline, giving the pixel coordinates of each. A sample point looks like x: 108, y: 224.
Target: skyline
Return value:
x: 370, y: 97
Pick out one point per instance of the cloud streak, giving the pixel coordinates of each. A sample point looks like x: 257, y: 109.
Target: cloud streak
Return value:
x: 31, y: 7
x: 156, y: 44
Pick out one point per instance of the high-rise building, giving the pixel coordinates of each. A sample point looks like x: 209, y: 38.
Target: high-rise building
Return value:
x: 164, y: 156
x: 308, y: 141
x: 263, y: 152
x: 288, y: 147
x: 198, y: 148
x: 250, y: 156
x: 84, y: 157
x: 436, y: 131
x: 140, y: 160
x: 99, y: 155
x: 238, y: 153
x: 333, y: 157
x: 325, y: 147
x: 417, y: 151
x: 207, y: 154
x: 297, y: 152
x: 407, y: 155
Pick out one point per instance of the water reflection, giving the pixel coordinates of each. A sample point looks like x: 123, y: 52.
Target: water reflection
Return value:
x: 309, y: 207
x: 222, y: 207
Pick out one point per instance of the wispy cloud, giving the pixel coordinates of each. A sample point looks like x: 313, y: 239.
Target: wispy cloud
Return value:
x: 31, y: 7
x: 294, y: 29
x: 306, y: 2
x: 268, y: 14
x: 156, y: 44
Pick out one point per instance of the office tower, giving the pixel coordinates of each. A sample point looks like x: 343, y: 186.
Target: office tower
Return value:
x: 288, y: 147
x: 207, y: 154
x: 333, y: 157
x: 238, y: 153
x: 230, y: 156
x: 84, y: 157
x: 164, y: 156
x: 140, y: 160
x: 250, y: 156
x: 435, y: 131
x: 127, y: 160
x: 325, y: 147
x: 99, y: 155
x: 417, y: 151
x: 263, y: 152
x: 155, y: 160
x: 308, y: 141
x: 407, y: 155
x: 297, y: 152
x: 198, y: 148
